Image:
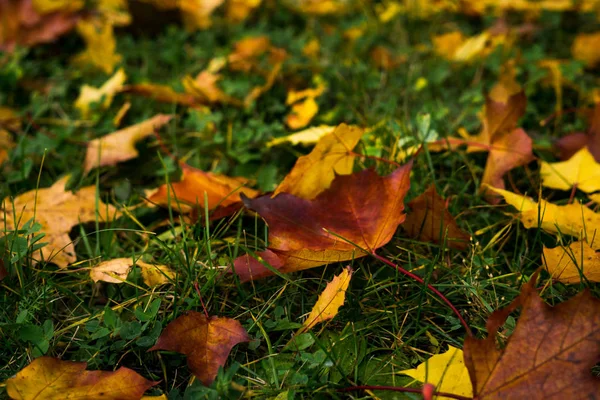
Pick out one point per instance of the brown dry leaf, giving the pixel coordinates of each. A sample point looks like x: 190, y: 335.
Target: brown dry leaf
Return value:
x: 573, y: 264
x: 57, y: 210
x: 550, y: 354
x: 206, y: 342
x: 120, y: 145
x: 106, y: 92
x: 430, y: 221
x: 585, y: 48
x: 187, y: 194
x: 329, y: 301
x: 315, y: 171
x: 357, y: 214
x: 101, y: 46
x: 48, y: 378
x: 573, y: 219
x: 21, y: 24
x: 117, y: 269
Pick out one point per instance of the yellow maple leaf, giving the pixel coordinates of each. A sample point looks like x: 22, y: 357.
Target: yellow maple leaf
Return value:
x: 315, y: 171
x: 101, y: 46
x: 572, y: 219
x: 580, y: 170
x: 57, y: 210
x: 447, y: 371
x: 120, y: 145
x: 106, y: 92
x: 572, y: 263
x: 117, y: 269
x: 329, y: 301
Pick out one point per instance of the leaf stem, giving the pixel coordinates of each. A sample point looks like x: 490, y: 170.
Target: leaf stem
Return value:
x: 402, y: 389
x: 429, y: 286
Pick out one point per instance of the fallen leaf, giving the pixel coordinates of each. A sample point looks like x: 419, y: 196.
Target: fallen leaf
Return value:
x: 550, y: 353
x: 315, y: 171
x: 119, y: 146
x: 329, y: 301
x: 364, y: 208
x: 164, y: 94
x: 206, y: 342
x: 430, y: 221
x: 581, y: 171
x: 187, y: 194
x: 48, y: 378
x: 239, y: 10
x: 572, y: 219
x: 22, y: 25
x: 9, y: 121
x: 383, y: 58
x: 101, y: 46
x: 117, y: 269
x: 204, y: 87
x: 57, y: 211
x: 106, y: 92
x: 454, y: 46
x: 307, y: 136
x: 196, y: 13
x: 246, y: 51
x: 304, y: 106
x: 447, y: 371
x: 571, y: 144
x: 50, y: 6
x: 585, y: 48
x: 573, y: 264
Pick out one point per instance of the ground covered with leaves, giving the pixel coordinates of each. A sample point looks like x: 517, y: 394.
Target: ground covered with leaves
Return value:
x: 297, y: 199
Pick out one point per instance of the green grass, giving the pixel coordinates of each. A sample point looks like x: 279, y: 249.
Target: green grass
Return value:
x: 389, y: 322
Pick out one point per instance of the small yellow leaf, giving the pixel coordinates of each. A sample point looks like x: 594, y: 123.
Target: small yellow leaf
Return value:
x: 90, y: 94
x: 580, y: 170
x: 447, y: 371
x: 155, y: 274
x: 120, y: 145
x: 585, y: 48
x: 572, y: 219
x: 315, y: 171
x: 307, y: 136
x: 304, y: 106
x: 329, y: 301
x: 571, y: 264
x: 117, y: 269
x: 101, y: 46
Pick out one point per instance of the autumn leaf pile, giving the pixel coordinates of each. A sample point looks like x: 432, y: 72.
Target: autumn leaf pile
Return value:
x: 297, y: 199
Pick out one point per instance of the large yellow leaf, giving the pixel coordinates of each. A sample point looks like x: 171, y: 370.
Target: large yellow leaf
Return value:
x: 580, y: 170
x: 571, y: 264
x: 106, y: 92
x: 48, y: 378
x: 447, y: 371
x: 315, y: 171
x: 57, y: 210
x: 572, y: 219
x: 120, y: 145
x: 329, y: 301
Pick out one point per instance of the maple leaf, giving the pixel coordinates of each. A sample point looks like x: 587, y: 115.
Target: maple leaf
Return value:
x: 581, y: 171
x: 430, y: 221
x: 585, y: 48
x: 550, y: 354
x: 363, y: 208
x: 101, y: 45
x: 315, y: 171
x: 120, y: 145
x: 185, y: 195
x: 117, y: 269
x: 573, y: 264
x: 206, y: 341
x: 447, y: 371
x: 21, y: 24
x: 57, y: 211
x: 48, y: 378
x: 572, y: 219
x: 571, y: 144
x: 106, y: 92
x: 307, y: 136
x: 329, y: 301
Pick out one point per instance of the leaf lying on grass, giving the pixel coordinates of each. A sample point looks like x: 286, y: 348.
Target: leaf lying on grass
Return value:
x: 206, y: 342
x: 48, y: 378
x: 573, y: 264
x: 117, y: 269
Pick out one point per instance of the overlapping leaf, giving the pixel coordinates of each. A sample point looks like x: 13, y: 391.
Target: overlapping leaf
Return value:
x: 574, y: 263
